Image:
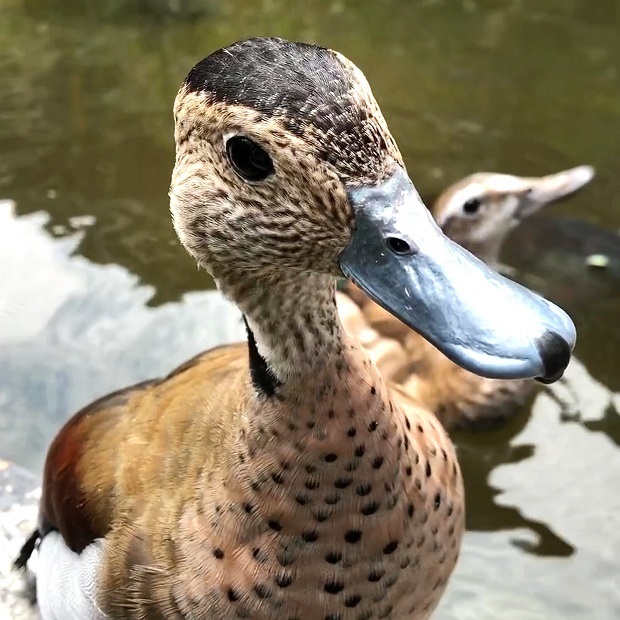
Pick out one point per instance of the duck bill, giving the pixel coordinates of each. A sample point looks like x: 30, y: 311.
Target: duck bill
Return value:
x: 553, y: 187
x: 482, y: 321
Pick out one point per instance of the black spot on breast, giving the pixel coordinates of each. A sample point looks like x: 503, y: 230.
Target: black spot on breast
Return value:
x: 262, y: 591
x: 233, y: 595
x: 321, y: 514
x: 277, y: 477
x: 353, y: 536
x: 370, y: 508
x: 377, y: 462
x: 375, y: 574
x: 363, y: 489
x: 333, y: 557
x: 352, y: 601
x: 284, y: 580
x: 333, y: 587
x: 310, y: 537
x: 342, y: 483
x: 390, y: 547
x: 285, y: 558
x: 302, y: 499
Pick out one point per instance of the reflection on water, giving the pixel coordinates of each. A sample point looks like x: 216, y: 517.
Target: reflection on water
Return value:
x: 72, y: 331
x: 96, y: 293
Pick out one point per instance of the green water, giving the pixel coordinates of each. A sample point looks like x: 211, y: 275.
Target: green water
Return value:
x: 95, y: 291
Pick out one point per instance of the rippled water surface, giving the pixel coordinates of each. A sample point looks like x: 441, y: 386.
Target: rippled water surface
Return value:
x: 96, y: 293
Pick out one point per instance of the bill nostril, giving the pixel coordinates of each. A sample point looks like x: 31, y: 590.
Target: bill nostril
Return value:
x: 555, y: 354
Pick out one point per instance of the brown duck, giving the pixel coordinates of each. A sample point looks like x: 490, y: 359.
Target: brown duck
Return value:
x: 478, y: 212
x: 282, y: 477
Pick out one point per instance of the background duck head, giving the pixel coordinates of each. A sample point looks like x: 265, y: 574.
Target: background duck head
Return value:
x: 479, y: 211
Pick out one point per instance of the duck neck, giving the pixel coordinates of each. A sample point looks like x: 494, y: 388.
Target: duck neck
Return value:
x: 294, y: 333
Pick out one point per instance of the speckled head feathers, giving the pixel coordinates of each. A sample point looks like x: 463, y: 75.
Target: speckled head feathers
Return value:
x: 313, y: 91
x: 312, y: 112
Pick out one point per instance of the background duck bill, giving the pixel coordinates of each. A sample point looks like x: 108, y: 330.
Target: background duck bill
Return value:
x: 553, y: 188
x: 476, y: 317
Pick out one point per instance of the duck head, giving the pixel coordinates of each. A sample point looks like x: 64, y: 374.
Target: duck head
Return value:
x: 286, y: 171
x: 479, y: 211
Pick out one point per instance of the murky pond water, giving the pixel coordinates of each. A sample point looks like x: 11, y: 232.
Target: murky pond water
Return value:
x: 96, y: 293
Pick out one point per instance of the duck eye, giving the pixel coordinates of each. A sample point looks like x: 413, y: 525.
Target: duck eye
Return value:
x: 472, y: 206
x: 250, y: 161
x: 400, y: 247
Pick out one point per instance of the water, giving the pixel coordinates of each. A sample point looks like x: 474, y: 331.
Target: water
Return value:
x: 96, y: 292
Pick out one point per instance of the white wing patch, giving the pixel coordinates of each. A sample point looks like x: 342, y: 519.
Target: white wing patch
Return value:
x: 67, y: 581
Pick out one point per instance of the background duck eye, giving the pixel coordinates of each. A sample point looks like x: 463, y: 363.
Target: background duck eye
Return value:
x: 472, y: 206
x: 250, y: 161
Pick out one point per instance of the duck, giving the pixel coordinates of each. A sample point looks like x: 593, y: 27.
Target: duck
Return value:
x: 478, y: 212
x: 283, y: 476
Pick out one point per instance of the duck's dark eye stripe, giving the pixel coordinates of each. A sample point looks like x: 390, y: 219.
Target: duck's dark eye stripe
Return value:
x: 472, y: 205
x: 249, y: 160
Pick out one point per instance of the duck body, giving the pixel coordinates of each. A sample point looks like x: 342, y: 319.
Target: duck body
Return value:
x: 478, y: 212
x: 322, y: 499
x: 283, y: 477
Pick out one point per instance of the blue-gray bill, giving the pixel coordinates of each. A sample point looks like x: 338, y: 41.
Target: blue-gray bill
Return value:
x: 480, y: 320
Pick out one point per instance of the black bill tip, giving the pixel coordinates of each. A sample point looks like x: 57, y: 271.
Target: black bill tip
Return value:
x: 555, y: 354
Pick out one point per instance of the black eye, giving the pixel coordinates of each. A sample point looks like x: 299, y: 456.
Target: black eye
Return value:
x: 400, y: 247
x: 471, y: 206
x: 249, y: 160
